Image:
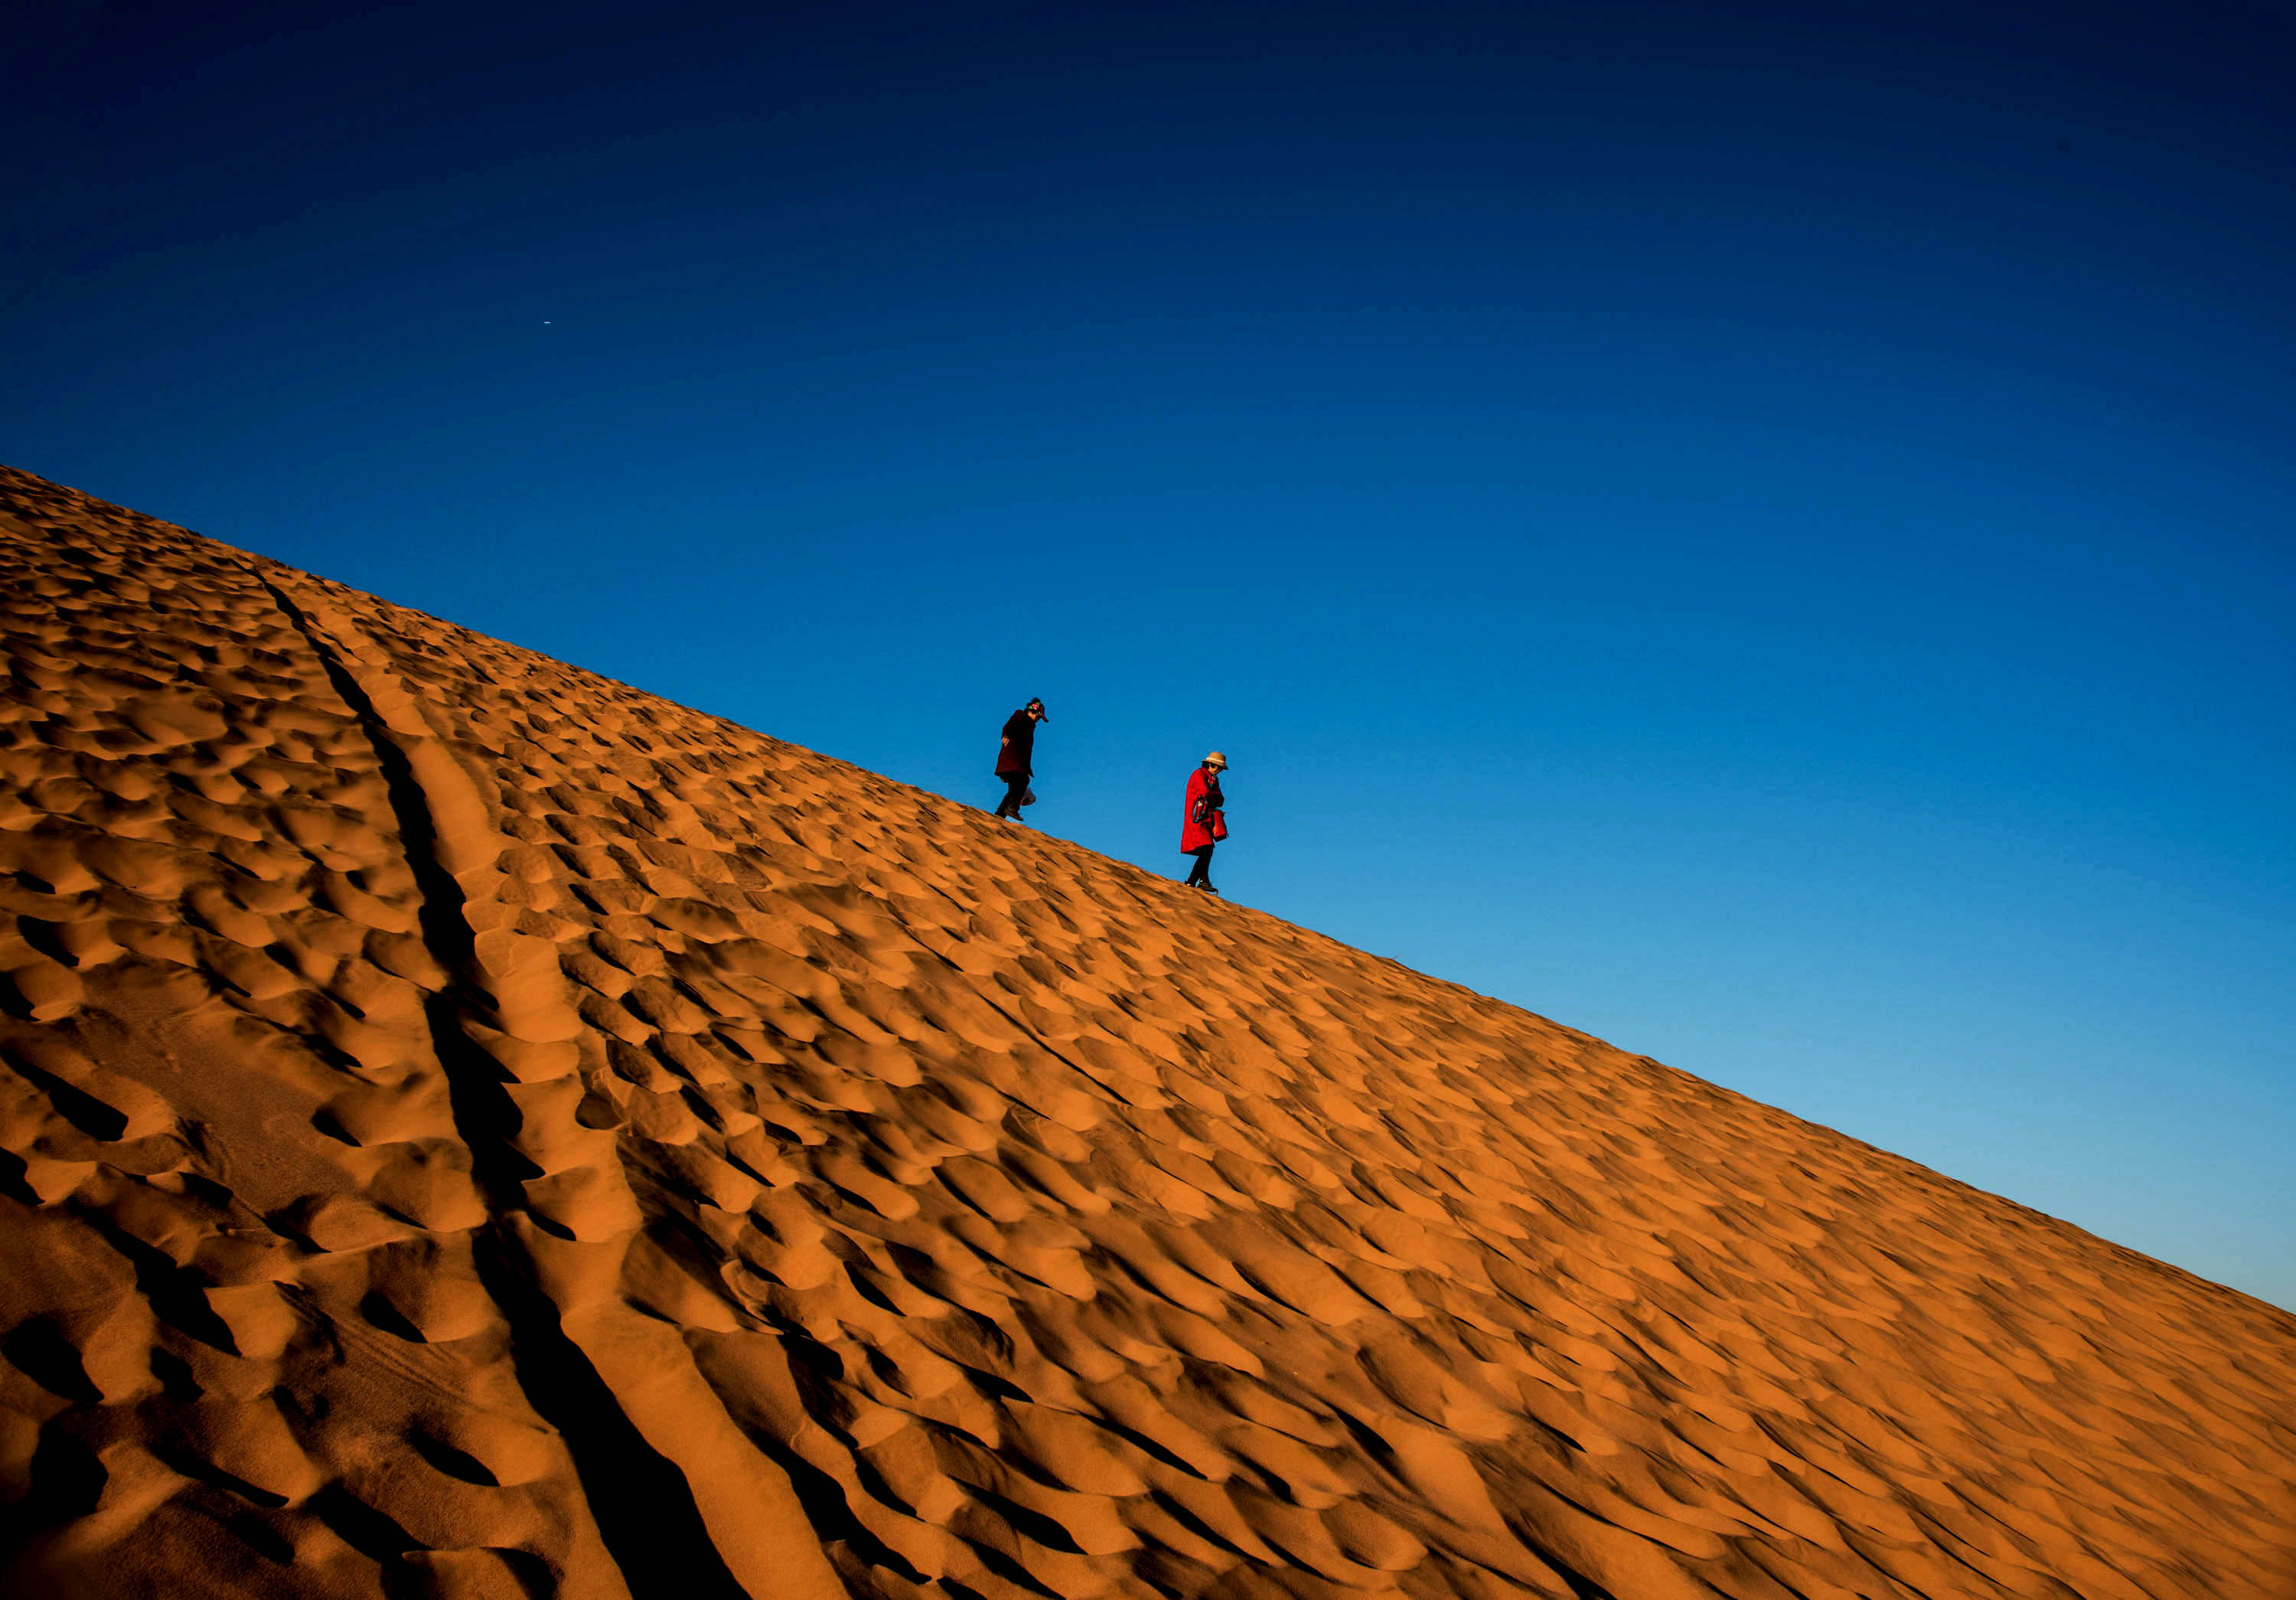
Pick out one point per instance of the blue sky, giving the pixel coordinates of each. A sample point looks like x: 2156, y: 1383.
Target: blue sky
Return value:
x: 1766, y: 537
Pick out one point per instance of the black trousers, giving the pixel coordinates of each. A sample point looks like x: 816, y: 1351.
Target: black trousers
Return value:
x: 1016, y: 784
x: 1202, y: 873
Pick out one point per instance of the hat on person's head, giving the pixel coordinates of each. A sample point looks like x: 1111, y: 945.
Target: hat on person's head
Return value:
x: 1042, y: 714
x: 1216, y: 759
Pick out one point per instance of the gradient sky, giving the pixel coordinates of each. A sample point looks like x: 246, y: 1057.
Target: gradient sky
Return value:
x: 1766, y: 537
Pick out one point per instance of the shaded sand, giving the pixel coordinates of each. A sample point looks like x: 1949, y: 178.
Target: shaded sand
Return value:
x: 472, y: 1129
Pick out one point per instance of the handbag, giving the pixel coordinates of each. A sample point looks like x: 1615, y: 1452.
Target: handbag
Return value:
x: 1220, y: 824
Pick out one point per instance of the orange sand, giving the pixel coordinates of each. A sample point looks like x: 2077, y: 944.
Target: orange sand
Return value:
x: 472, y: 1129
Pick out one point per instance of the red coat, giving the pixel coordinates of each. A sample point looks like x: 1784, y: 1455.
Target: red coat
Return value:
x: 1196, y: 835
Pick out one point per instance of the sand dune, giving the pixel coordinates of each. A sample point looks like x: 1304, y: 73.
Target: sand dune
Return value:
x: 473, y: 1128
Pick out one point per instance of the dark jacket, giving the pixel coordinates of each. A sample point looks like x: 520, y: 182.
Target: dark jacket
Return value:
x: 1015, y: 757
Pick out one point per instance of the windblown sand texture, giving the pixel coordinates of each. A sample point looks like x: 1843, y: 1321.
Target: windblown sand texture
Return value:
x: 474, y: 1129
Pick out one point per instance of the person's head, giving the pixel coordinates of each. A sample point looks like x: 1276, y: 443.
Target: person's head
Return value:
x: 1036, y: 709
x: 1216, y: 761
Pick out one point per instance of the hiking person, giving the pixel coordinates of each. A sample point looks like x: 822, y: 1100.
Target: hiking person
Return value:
x: 1016, y: 756
x: 1203, y: 823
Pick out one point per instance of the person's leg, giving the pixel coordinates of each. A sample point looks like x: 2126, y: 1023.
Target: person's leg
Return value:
x: 1200, y: 876
x: 1015, y: 788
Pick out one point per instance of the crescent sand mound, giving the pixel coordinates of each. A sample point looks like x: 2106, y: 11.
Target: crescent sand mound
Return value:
x: 474, y: 1129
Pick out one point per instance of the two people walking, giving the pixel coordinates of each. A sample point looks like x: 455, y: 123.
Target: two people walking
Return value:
x: 1204, y: 818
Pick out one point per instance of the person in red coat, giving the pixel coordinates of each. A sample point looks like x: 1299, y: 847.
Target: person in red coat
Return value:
x: 1201, y: 824
x: 1016, y: 756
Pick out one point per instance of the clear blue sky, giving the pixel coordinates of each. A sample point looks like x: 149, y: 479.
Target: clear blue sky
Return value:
x: 1759, y: 532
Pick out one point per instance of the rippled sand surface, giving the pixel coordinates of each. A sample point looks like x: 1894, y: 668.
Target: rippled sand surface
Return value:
x: 468, y: 1127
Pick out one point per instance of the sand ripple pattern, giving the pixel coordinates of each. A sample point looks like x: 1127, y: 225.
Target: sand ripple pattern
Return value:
x: 470, y: 1129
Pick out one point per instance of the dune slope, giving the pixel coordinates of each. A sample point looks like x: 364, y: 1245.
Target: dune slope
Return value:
x: 470, y: 1129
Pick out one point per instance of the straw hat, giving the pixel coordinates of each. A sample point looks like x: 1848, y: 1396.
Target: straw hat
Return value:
x: 1216, y: 759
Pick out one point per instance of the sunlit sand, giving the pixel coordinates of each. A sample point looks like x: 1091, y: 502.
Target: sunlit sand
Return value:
x: 474, y: 1129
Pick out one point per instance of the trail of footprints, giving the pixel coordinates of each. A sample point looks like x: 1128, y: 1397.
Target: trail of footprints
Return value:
x: 472, y: 1129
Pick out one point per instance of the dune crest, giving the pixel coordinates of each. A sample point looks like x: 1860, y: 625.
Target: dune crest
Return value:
x: 470, y: 1129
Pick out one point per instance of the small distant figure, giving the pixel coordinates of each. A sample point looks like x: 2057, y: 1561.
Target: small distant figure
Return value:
x: 1016, y: 757
x: 1204, y: 823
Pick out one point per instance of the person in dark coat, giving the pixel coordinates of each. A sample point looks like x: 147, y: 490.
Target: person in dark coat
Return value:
x: 1201, y: 816
x: 1016, y: 756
